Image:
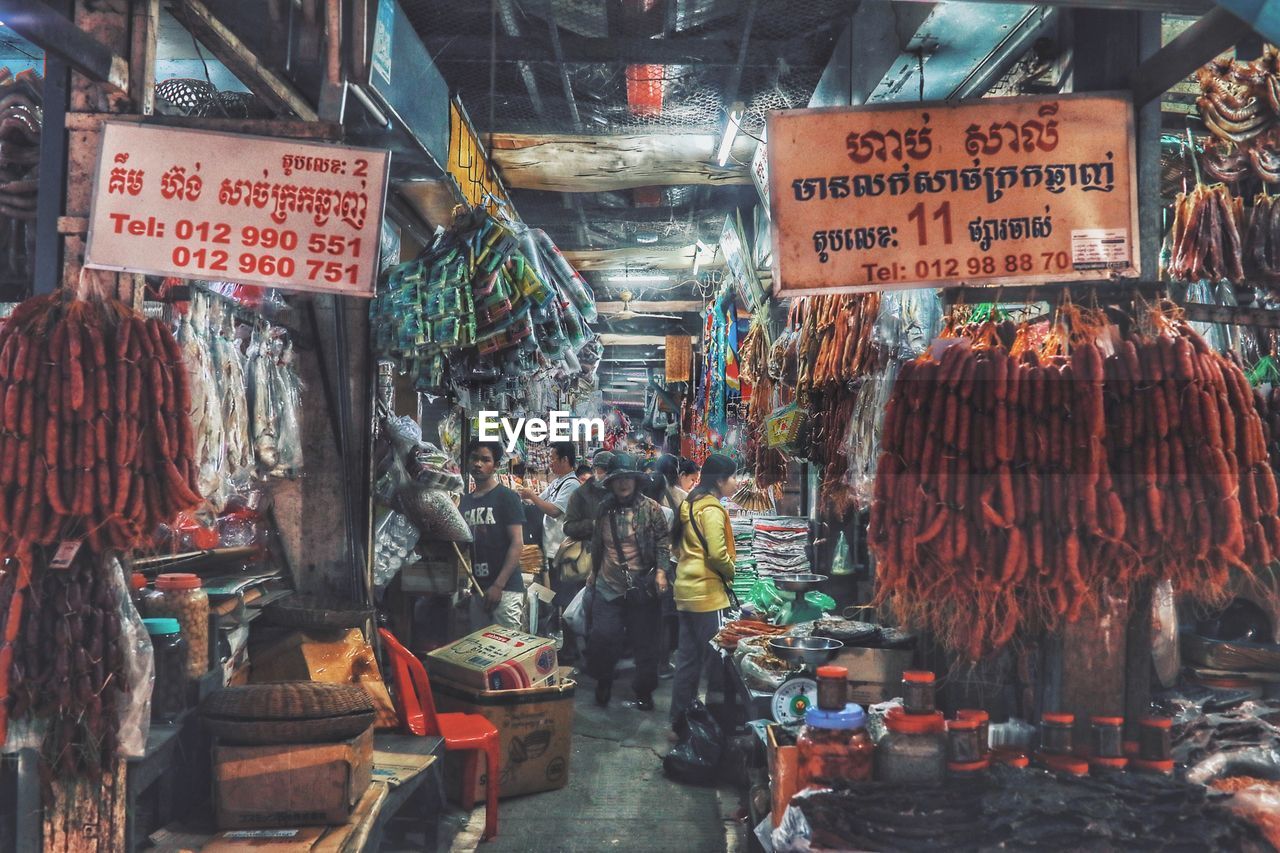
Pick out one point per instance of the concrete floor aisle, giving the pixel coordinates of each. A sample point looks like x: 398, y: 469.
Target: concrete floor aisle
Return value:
x: 617, y: 797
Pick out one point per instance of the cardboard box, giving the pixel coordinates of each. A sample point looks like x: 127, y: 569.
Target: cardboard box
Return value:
x: 257, y: 787
x: 876, y: 666
x: 495, y: 659
x: 535, y: 727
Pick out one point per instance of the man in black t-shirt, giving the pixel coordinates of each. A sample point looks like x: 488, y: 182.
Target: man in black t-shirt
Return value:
x: 496, y: 518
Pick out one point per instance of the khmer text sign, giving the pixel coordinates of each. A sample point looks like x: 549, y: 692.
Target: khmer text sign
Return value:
x: 999, y: 189
x: 225, y: 207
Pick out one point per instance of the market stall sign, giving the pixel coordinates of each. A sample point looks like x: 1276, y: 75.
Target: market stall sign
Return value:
x: 1023, y: 189
x: 202, y: 205
x: 470, y: 166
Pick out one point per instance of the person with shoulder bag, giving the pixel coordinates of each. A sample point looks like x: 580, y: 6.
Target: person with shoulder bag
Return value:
x: 629, y: 554
x: 704, y: 537
x: 571, y: 562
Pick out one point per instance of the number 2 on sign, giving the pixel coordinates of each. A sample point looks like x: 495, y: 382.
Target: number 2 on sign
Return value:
x: 943, y: 214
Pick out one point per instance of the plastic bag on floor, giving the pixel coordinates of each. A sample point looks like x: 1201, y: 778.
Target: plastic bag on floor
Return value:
x: 697, y: 756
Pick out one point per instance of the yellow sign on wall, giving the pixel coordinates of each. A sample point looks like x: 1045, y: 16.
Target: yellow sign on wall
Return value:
x: 470, y: 167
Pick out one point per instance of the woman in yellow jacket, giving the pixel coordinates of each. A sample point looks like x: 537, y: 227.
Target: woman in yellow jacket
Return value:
x: 703, y: 536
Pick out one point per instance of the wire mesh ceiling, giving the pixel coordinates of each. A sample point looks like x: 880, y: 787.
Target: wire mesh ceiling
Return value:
x: 692, y: 96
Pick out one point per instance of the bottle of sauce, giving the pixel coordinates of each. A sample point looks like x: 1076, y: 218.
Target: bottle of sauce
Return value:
x: 914, y: 750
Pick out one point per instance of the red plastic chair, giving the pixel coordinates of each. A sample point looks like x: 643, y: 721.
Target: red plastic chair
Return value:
x: 469, y: 732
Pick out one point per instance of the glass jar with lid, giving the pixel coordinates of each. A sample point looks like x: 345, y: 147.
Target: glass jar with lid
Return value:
x: 169, y: 693
x: 181, y: 596
x: 914, y: 749
x: 834, y: 747
x: 918, y: 688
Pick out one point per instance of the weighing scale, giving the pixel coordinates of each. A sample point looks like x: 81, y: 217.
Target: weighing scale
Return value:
x: 800, y: 691
x: 793, y: 588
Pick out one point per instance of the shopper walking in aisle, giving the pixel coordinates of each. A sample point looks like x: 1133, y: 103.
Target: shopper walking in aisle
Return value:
x: 496, y: 518
x: 573, y: 560
x: 704, y: 537
x: 662, y: 488
x: 688, y: 477
x: 553, y: 501
x: 629, y: 554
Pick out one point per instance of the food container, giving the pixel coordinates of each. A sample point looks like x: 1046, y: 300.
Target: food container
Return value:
x: 1155, y: 752
x: 182, y: 597
x: 984, y: 726
x: 833, y: 687
x: 168, y: 695
x: 918, y: 688
x: 137, y: 589
x: 1106, y: 743
x: 913, y: 750
x: 834, y: 747
x: 964, y: 754
x: 1056, y: 733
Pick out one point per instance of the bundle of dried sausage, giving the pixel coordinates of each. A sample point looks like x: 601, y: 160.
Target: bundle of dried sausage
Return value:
x: 97, y: 439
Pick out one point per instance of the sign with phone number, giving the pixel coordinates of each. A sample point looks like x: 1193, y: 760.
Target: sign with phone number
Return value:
x: 220, y: 206
x: 884, y: 196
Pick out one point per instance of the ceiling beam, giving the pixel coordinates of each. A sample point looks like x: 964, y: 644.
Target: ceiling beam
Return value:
x: 619, y: 260
x: 565, y: 163
x: 676, y: 305
x: 681, y: 50
x: 610, y: 339
x: 41, y: 25
x: 1193, y: 47
x: 275, y: 91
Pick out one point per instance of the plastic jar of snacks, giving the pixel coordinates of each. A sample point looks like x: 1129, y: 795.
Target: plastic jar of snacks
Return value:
x: 834, y: 747
x: 914, y: 750
x: 181, y: 596
x: 169, y: 694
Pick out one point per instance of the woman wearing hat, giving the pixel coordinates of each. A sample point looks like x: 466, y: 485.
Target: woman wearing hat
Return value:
x: 704, y: 537
x: 629, y: 553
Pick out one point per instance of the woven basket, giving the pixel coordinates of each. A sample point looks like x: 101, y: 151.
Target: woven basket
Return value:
x: 288, y: 712
x: 316, y: 612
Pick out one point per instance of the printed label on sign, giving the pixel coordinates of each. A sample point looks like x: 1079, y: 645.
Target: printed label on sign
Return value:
x: 383, y: 28
x: 1099, y: 248
x: 222, y: 206
x: 66, y: 552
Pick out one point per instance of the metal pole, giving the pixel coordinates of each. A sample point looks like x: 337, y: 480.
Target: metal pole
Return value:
x: 52, y: 190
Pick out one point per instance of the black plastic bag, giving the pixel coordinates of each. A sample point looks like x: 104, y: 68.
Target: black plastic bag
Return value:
x: 697, y: 756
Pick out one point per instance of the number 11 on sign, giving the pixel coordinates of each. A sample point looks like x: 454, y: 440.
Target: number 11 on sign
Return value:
x: 941, y: 214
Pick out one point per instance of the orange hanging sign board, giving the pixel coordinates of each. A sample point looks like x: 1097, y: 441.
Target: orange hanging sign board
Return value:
x: 997, y: 190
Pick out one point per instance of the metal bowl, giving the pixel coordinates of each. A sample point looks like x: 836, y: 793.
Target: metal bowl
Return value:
x: 799, y: 582
x: 813, y: 651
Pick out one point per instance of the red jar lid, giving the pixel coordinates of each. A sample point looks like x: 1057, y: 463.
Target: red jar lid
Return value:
x: 137, y: 580
x: 1010, y: 756
x: 840, y: 673
x: 918, y: 676
x: 973, y: 714
x: 962, y: 725
x: 969, y: 766
x: 178, y: 580
x: 1058, y: 719
x: 1163, y: 766
x: 1107, y: 721
x: 1109, y: 763
x: 1156, y: 722
x: 898, y: 720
